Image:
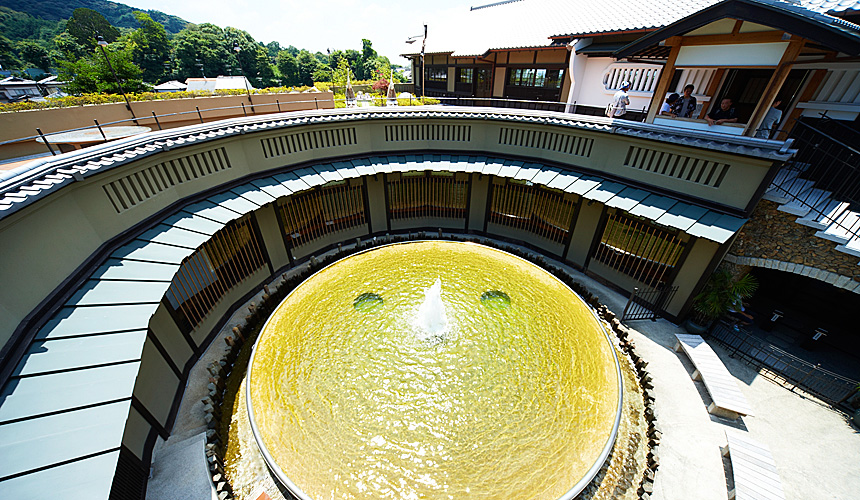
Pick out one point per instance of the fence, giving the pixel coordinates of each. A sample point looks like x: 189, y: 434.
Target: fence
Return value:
x: 784, y: 368
x: 648, y: 304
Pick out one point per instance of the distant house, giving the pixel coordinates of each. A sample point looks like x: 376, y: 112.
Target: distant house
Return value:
x: 14, y: 88
x: 171, y: 86
x: 219, y: 83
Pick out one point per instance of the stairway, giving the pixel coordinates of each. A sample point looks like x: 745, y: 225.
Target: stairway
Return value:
x: 833, y: 219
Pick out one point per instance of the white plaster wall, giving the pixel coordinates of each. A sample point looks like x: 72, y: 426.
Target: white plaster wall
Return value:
x: 590, y: 91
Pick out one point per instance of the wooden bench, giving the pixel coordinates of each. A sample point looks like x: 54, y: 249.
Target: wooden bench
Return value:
x: 753, y: 469
x: 728, y: 400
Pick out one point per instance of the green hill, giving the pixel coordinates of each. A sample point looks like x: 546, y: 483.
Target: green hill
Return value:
x: 116, y: 13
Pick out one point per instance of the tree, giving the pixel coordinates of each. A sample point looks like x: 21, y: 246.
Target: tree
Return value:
x: 93, y: 75
x: 150, y: 48
x: 307, y: 65
x: 69, y: 47
x: 203, y: 50
x: 8, y: 60
x: 86, y: 24
x: 33, y: 53
x: 289, y: 68
x: 273, y: 48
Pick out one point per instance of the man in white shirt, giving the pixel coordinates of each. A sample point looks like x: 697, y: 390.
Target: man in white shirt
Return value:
x: 620, y: 101
x: 770, y: 122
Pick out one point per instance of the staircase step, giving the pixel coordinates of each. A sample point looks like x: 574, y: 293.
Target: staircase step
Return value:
x: 787, y: 191
x: 852, y: 247
x: 803, y: 204
x: 823, y: 214
x: 842, y: 229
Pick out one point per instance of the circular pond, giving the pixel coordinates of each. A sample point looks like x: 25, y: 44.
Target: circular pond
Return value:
x: 434, y: 370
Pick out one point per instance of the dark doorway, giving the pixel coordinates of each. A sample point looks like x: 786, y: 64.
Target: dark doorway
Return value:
x: 483, y: 83
x: 809, y: 304
x: 745, y: 88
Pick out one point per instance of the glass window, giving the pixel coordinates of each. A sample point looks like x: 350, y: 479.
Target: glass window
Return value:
x: 540, y: 77
x: 465, y: 75
x: 437, y: 74
x: 536, y: 77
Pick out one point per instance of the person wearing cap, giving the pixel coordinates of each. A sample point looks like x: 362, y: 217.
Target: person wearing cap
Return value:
x: 666, y: 109
x: 620, y: 101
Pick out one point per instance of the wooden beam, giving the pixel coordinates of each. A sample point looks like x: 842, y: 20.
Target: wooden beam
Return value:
x: 663, y: 84
x: 809, y: 91
x: 737, y: 28
x: 713, y: 86
x: 754, y: 37
x: 774, y: 85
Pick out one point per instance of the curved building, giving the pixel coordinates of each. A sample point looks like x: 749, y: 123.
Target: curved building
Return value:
x: 122, y: 261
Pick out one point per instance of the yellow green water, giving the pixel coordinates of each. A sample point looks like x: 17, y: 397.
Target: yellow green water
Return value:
x: 513, y: 402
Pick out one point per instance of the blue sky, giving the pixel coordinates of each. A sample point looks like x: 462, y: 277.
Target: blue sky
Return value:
x: 317, y: 25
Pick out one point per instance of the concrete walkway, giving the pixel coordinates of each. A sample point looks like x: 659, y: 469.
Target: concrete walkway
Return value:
x: 816, y: 450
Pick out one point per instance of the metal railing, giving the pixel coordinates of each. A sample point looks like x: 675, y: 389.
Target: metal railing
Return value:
x: 784, y: 368
x: 648, y: 303
x: 825, y: 170
x: 153, y: 119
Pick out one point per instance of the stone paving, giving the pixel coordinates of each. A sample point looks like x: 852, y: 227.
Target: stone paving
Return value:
x: 816, y: 450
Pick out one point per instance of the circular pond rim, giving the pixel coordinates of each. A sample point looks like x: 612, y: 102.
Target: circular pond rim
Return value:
x: 569, y: 495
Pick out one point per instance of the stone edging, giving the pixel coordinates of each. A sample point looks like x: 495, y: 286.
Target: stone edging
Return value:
x: 834, y: 279
x: 220, y: 370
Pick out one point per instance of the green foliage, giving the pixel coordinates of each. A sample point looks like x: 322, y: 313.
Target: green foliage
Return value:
x: 722, y: 292
x: 307, y: 66
x: 288, y: 66
x: 68, y: 47
x: 86, y: 24
x: 116, y: 13
x: 150, y: 48
x: 202, y: 50
x: 20, y: 26
x: 93, y: 74
x: 90, y: 99
x: 34, y: 54
x: 8, y: 58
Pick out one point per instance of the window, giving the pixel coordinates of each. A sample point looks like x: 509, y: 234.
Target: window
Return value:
x: 531, y: 77
x: 465, y: 75
x: 434, y: 195
x: 337, y: 206
x: 230, y: 256
x: 542, y: 211
x: 437, y: 74
x: 639, y: 249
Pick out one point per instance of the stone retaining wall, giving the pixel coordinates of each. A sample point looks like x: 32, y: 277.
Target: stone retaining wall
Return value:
x: 772, y: 239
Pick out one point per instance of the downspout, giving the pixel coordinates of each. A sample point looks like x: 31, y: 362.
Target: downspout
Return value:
x: 573, y: 46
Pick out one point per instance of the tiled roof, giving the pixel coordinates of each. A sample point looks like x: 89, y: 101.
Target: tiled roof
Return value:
x: 832, y: 6
x: 32, y: 181
x: 532, y: 23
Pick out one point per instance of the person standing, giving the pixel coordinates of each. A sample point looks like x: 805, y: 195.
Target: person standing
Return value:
x: 685, y: 106
x: 770, y: 121
x: 620, y: 101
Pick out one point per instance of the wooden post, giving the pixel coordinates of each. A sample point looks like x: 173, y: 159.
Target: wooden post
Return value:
x: 811, y: 87
x: 665, y: 79
x: 774, y: 85
x: 711, y: 91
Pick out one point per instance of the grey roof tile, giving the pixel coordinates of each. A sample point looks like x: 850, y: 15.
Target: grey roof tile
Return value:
x: 86, y: 479
x: 54, y: 392
x: 40, y: 442
x: 80, y: 352
x: 71, y: 321
x: 152, y: 252
x: 97, y: 292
